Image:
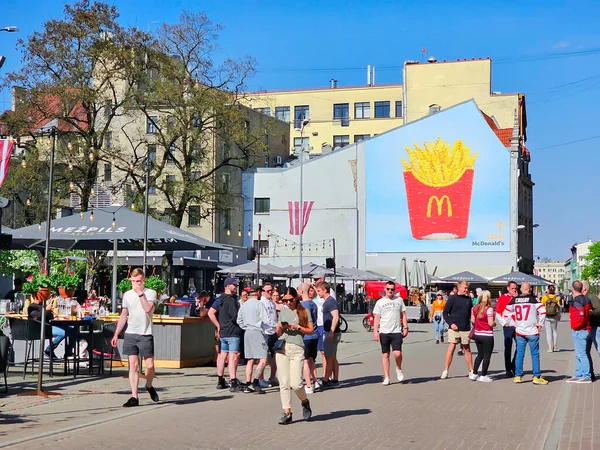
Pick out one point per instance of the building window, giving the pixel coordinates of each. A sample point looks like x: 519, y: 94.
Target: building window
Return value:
x: 247, y: 129
x: 382, y: 109
x: 341, y: 141
x: 194, y: 216
x: 362, y: 110
x: 108, y: 109
x: 170, y: 156
x: 283, y: 113
x: 227, y: 220
x: 197, y: 121
x: 225, y: 178
x: 170, y: 178
x: 262, y: 205
x: 434, y: 109
x: 301, y: 142
x: 361, y: 137
x: 107, y: 172
x: 151, y: 189
x: 152, y: 153
x: 264, y: 247
x: 265, y: 111
x: 152, y: 125
x: 341, y: 111
x: 108, y: 141
x: 398, y: 109
x: 300, y: 113
x: 196, y: 175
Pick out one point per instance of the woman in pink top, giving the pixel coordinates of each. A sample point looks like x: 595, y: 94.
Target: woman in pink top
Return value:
x: 482, y: 317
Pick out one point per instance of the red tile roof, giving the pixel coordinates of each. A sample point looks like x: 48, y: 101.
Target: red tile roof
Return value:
x: 504, y: 134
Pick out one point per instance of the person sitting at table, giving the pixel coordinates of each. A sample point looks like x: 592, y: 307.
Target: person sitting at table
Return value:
x: 10, y: 295
x: 35, y: 312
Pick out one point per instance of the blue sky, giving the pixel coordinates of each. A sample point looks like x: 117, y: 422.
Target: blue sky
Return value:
x: 304, y: 44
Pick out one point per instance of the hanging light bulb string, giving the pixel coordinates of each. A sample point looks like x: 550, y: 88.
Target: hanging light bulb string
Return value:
x: 317, y: 247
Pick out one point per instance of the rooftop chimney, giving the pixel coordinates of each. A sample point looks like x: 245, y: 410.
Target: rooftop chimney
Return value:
x: 333, y: 83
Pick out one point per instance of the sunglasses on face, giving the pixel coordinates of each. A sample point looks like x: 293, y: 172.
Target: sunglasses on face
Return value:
x: 390, y: 289
x: 287, y: 300
x: 267, y: 290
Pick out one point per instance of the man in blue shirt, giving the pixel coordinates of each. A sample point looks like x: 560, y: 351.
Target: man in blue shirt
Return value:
x: 331, y: 335
x: 310, y: 342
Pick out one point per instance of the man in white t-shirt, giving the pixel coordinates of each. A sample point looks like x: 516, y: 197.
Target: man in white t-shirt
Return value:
x: 138, y: 307
x: 391, y: 327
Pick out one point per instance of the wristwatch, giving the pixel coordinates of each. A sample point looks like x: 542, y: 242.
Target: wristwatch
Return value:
x: 142, y: 295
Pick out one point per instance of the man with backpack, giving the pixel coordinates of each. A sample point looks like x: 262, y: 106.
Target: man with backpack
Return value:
x: 579, y: 311
x: 551, y: 302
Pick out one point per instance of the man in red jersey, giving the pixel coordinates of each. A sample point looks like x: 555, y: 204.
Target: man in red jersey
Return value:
x: 509, y: 331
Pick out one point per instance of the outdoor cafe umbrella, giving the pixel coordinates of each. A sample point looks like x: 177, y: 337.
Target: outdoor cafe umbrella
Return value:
x: 250, y: 268
x: 113, y: 228
x: 467, y: 276
x: 520, y: 277
x: 352, y: 273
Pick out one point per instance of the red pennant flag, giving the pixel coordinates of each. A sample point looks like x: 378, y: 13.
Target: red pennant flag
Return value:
x: 6, y: 148
x: 423, y: 50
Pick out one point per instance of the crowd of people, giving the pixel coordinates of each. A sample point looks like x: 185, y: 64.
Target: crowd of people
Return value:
x: 522, y: 315
x: 283, y: 331
x: 287, y: 331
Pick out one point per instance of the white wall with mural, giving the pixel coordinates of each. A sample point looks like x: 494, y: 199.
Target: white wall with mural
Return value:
x: 380, y: 210
x: 329, y: 199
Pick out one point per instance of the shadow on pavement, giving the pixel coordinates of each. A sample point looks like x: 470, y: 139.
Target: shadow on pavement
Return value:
x: 10, y: 419
x: 352, y: 382
x: 350, y: 363
x: 339, y: 414
x: 420, y: 380
x: 191, y: 401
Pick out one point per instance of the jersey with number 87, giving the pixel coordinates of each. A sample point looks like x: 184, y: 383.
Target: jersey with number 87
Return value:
x: 524, y: 313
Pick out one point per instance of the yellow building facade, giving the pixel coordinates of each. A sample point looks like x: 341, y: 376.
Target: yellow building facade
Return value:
x: 340, y: 116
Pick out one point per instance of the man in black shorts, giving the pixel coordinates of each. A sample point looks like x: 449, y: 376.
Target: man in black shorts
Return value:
x: 390, y: 328
x: 138, y: 307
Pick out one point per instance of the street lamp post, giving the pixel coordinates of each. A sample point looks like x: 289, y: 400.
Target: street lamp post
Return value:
x: 147, y: 167
x: 301, y: 206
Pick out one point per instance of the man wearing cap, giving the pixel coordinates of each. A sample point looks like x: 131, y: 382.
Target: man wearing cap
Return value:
x: 229, y: 334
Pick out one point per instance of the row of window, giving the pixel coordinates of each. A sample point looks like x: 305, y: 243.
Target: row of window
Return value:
x: 341, y: 111
x: 338, y: 140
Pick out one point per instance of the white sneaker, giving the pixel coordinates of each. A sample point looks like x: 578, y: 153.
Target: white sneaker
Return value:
x: 472, y: 376
x: 400, y: 375
x: 264, y: 384
x: 308, y: 390
x: 444, y: 375
x: 484, y: 379
x: 316, y: 386
x: 386, y: 382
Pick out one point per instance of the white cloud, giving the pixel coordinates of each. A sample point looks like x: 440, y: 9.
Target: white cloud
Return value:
x: 561, y: 44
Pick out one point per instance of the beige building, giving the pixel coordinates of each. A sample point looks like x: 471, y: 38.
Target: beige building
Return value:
x: 339, y: 116
x: 553, y: 271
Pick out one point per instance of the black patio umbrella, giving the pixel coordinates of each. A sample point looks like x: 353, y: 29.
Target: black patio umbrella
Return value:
x: 94, y: 230
x: 520, y: 277
x: 467, y: 276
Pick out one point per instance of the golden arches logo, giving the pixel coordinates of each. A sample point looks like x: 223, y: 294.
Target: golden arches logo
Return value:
x: 440, y: 204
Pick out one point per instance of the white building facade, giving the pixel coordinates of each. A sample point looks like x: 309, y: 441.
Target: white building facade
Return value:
x: 402, y: 194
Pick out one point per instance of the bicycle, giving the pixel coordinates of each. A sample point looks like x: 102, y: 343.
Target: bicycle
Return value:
x: 343, y: 325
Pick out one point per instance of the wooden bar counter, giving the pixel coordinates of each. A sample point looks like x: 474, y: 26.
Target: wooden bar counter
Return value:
x: 179, y: 341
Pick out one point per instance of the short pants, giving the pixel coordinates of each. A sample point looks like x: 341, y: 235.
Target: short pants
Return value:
x: 138, y: 344
x: 230, y: 344
x: 330, y: 346
x: 271, y: 339
x: 388, y: 340
x: 310, y: 348
x: 458, y: 337
x: 255, y: 345
x: 320, y: 332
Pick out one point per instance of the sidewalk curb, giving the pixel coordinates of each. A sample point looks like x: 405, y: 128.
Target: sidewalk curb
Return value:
x: 553, y: 437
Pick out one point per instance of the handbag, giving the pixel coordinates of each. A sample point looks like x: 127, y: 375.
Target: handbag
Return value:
x: 278, y: 346
x: 472, y: 333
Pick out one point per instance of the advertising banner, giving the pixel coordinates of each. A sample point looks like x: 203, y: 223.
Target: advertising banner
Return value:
x: 440, y: 184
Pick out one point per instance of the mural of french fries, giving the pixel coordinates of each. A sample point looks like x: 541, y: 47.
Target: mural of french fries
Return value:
x: 435, y: 164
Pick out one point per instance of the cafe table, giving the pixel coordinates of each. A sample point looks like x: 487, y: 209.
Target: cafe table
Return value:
x: 78, y: 325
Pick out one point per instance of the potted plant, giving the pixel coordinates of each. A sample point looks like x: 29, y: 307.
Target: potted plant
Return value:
x: 155, y: 283
x: 66, y: 283
x: 40, y: 285
x: 124, y: 285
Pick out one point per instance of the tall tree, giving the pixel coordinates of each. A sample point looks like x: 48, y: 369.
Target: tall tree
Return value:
x: 591, y: 270
x: 78, y: 74
x: 195, y: 126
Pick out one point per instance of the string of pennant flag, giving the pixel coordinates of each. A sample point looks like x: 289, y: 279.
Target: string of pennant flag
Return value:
x: 281, y: 244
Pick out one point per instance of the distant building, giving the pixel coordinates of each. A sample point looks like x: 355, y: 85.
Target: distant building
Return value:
x: 341, y: 116
x: 553, y: 271
x: 577, y: 261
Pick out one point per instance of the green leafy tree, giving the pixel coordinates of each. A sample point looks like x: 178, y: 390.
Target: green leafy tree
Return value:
x: 591, y: 271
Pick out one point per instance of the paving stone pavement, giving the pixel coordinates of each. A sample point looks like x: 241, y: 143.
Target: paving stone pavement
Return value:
x: 424, y: 412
